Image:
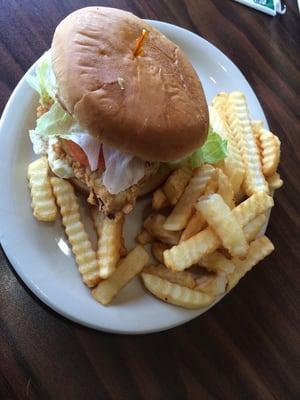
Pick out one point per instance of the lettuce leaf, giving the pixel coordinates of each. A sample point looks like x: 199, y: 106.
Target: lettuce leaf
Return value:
x: 54, y: 122
x: 213, y: 150
x: 43, y: 81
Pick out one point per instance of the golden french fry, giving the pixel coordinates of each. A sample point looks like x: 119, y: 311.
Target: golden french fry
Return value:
x: 222, y: 220
x: 257, y: 204
x: 258, y: 250
x: 252, y: 229
x: 189, y: 252
x: 233, y: 164
x: 274, y: 181
x: 182, y: 278
x: 154, y: 224
x: 127, y: 269
x: 225, y: 189
x: 81, y: 245
x: 98, y: 218
x: 183, y: 210
x: 239, y: 123
x: 176, y: 183
x: 270, y: 151
x: 157, y: 250
x: 43, y: 202
x: 234, y: 167
x: 211, y: 187
x: 217, y: 262
x: 256, y: 125
x: 109, y: 244
x: 159, y: 200
x: 219, y: 103
x: 175, y: 294
x: 144, y: 237
x: 211, y: 284
x: 217, y: 123
x: 195, y: 225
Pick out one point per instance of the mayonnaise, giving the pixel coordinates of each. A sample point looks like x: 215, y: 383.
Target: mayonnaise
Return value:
x: 59, y: 167
x: 39, y: 143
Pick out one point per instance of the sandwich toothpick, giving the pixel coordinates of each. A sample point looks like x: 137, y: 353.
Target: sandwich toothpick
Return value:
x: 139, y: 42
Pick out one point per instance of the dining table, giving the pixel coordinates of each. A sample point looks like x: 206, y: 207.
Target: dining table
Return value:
x: 248, y: 345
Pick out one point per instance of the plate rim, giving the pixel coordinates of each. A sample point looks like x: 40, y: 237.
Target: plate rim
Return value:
x: 49, y: 302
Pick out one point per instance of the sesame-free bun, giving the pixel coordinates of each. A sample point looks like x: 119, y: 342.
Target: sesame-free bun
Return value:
x: 151, y: 105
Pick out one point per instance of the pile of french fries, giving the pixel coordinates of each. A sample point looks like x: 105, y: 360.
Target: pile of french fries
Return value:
x: 204, y: 229
x: 205, y: 226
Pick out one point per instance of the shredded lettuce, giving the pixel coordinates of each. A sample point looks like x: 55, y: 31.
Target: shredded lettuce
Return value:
x: 43, y: 81
x: 213, y: 150
x: 54, y: 122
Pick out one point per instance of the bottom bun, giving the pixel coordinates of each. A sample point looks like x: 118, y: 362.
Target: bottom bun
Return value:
x: 155, y: 180
x: 80, y: 186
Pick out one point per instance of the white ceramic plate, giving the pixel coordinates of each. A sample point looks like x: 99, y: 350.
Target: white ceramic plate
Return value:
x: 40, y: 253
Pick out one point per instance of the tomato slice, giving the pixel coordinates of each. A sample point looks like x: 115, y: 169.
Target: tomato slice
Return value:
x: 77, y: 152
x: 80, y: 156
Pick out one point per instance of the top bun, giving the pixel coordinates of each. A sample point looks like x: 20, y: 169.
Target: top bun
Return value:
x: 151, y: 105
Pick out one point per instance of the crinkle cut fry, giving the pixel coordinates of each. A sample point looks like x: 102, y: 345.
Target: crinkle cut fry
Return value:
x: 81, y: 245
x: 222, y: 220
x: 239, y: 122
x: 127, y: 269
x: 258, y: 250
x: 233, y: 164
x: 190, y: 252
x: 270, y: 151
x: 195, y: 225
x: 176, y: 183
x: 43, y: 202
x: 109, y: 244
x: 175, y: 294
x: 183, y: 210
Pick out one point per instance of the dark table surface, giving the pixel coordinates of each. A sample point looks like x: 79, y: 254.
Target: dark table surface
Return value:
x: 247, y: 346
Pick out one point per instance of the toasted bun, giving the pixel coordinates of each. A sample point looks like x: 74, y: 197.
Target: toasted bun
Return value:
x: 151, y: 105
